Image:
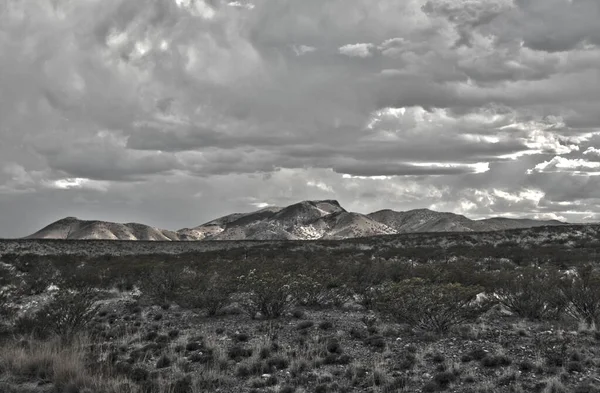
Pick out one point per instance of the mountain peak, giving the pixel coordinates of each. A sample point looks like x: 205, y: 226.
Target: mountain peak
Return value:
x: 69, y: 218
x: 306, y: 220
x: 74, y: 228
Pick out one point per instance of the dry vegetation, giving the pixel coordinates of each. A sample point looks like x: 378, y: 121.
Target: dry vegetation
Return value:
x: 288, y: 319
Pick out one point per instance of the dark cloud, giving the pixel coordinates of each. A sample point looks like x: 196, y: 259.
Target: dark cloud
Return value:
x: 115, y: 108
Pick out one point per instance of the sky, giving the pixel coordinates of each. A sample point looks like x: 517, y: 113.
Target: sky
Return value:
x: 175, y: 112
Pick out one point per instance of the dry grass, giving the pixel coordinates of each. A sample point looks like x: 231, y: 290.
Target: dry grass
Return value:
x: 62, y: 364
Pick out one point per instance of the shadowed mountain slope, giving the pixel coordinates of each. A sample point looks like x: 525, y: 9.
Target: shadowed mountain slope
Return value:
x: 307, y: 220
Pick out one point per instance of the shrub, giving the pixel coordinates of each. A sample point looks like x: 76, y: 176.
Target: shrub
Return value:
x: 318, y: 293
x: 67, y: 314
x: 270, y: 293
x: 444, y: 378
x: 38, y: 275
x: 8, y: 291
x: 582, y: 294
x: 493, y: 361
x: 526, y: 366
x: 530, y: 294
x: 305, y: 325
x: 205, y: 291
x: 325, y: 325
x: 163, y: 362
x: 237, y: 353
x: 333, y: 346
x: 376, y: 342
x: 574, y: 366
x: 160, y: 285
x: 431, y: 307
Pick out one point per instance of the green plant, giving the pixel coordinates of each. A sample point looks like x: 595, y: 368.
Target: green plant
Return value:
x: 37, y: 275
x: 206, y: 291
x: 269, y: 292
x: 68, y: 313
x: 431, y: 307
x: 8, y: 292
x: 161, y: 285
x: 530, y: 293
x: 581, y: 292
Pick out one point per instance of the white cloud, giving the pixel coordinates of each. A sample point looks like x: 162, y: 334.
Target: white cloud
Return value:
x: 320, y: 185
x: 592, y: 151
x: 357, y: 50
x: 239, y: 4
x: 73, y: 183
x: 300, y: 50
x: 576, y: 166
x: 197, y: 8
x: 260, y: 205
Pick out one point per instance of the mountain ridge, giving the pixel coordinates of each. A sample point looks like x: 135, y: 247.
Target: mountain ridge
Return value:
x: 306, y: 220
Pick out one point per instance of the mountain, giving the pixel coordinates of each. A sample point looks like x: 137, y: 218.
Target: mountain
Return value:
x: 299, y: 221
x: 73, y: 228
x: 425, y: 220
x: 216, y: 227
x: 308, y: 220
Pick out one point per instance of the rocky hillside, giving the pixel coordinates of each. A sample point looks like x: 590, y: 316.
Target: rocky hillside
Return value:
x: 308, y: 220
x: 425, y: 220
x: 73, y: 228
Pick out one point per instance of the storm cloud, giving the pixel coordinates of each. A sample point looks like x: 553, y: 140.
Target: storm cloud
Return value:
x: 172, y: 112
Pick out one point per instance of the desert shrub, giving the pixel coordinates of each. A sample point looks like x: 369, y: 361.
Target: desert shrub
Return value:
x: 8, y: 292
x: 325, y: 325
x: 81, y: 276
x: 444, y: 378
x: 238, y: 352
x: 305, y: 325
x: 431, y: 307
x: 67, y: 314
x: 37, y: 275
x: 271, y: 293
x: 376, y: 342
x: 365, y: 279
x: 581, y: 292
x: 163, y: 362
x: 493, y: 361
x: 530, y: 293
x: 312, y: 292
x: 205, y: 291
x: 160, y: 285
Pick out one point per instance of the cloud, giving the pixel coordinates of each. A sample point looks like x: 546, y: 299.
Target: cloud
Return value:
x: 300, y: 50
x: 357, y: 50
x: 592, y: 152
x: 108, y: 103
x: 575, y: 166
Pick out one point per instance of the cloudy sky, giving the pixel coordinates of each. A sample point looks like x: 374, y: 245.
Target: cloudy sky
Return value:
x: 174, y: 112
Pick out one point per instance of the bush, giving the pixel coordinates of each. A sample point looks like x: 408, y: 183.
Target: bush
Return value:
x: 270, y: 293
x: 493, y: 361
x: 205, y: 291
x: 581, y: 292
x: 67, y: 314
x: 311, y: 292
x: 8, y: 291
x: 431, y: 307
x: 160, y: 286
x: 37, y: 276
x: 444, y: 378
x: 305, y: 325
x: 531, y: 294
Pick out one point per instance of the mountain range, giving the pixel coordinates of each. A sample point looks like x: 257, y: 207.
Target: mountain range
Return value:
x: 308, y: 220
